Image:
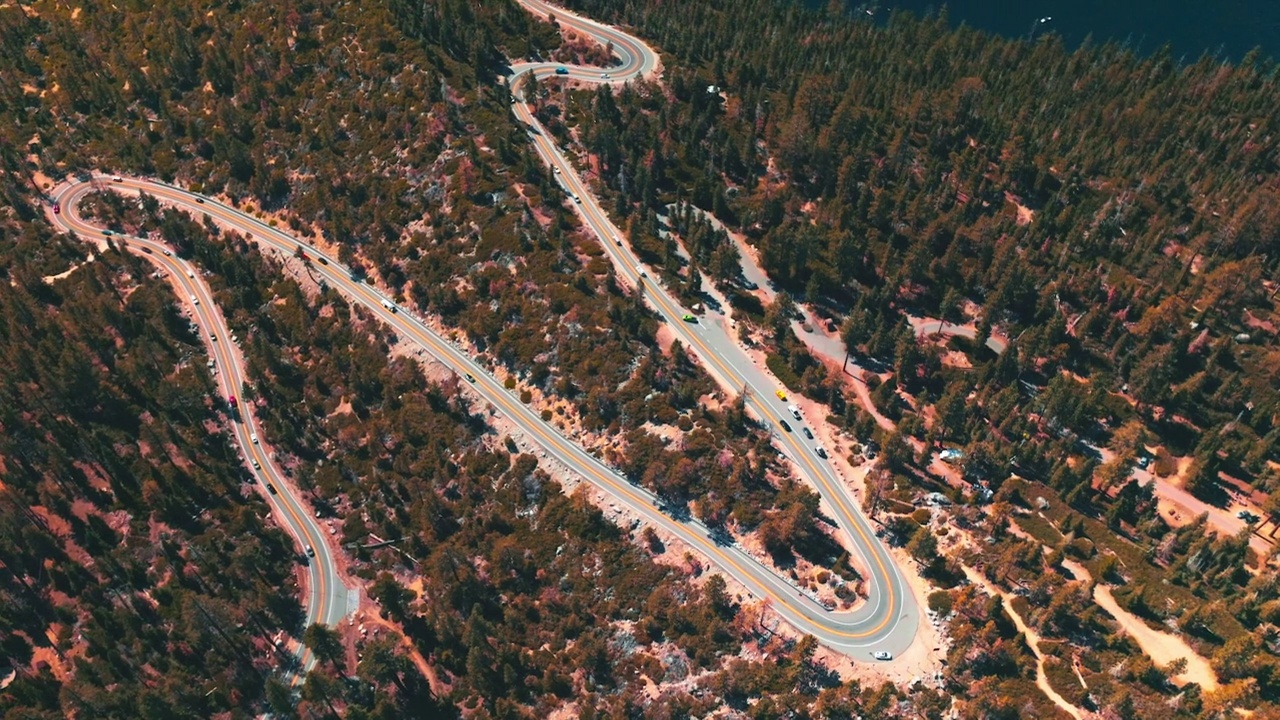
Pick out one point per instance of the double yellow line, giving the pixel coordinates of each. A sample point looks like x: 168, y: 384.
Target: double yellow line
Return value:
x: 230, y: 370
x: 672, y: 312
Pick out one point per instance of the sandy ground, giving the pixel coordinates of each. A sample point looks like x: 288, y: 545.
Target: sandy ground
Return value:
x: 1162, y: 648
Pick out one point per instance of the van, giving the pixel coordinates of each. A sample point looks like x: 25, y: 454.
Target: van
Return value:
x: 795, y: 411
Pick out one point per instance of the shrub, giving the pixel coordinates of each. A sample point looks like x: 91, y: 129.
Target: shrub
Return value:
x: 782, y: 371
x: 509, y: 383
x: 546, y: 415
x: 526, y: 397
x: 921, y: 515
x: 1081, y: 548
x: 940, y: 602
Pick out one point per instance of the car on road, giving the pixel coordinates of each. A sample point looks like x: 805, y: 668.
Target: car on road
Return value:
x: 200, y: 200
x: 253, y: 438
x: 562, y: 71
x: 688, y: 318
x: 256, y: 466
x: 471, y: 378
x: 604, y: 75
x: 644, y: 274
x: 108, y: 233
x: 191, y: 275
x: 271, y: 489
x: 785, y: 425
x: 577, y: 199
x: 167, y: 253
x: 807, y: 432
x: 57, y: 208
x: 882, y: 655
x: 555, y: 170
x: 749, y: 285
x: 311, y: 552
x: 195, y: 300
x: 1248, y: 517
x: 781, y: 395
x: 822, y: 453
x: 117, y: 178
x: 389, y: 307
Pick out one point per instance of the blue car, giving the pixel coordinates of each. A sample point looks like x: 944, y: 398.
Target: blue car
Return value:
x: 562, y: 71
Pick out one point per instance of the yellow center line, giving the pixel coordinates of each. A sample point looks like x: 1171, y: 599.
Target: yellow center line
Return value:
x: 576, y: 186
x: 231, y: 369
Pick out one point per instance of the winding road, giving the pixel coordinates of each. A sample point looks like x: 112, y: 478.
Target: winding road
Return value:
x: 328, y: 595
x: 887, y: 621
x: 889, y: 618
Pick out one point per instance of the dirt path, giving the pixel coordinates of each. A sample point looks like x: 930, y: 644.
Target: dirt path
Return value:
x: 1162, y: 648
x: 1033, y: 641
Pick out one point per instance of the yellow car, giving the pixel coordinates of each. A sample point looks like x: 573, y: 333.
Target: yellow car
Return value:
x: 781, y: 395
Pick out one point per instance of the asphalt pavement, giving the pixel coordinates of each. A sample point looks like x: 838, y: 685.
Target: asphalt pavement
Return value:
x: 888, y: 620
x: 890, y: 617
x: 327, y: 600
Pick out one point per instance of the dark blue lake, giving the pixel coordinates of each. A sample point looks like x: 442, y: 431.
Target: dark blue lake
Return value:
x: 1228, y: 28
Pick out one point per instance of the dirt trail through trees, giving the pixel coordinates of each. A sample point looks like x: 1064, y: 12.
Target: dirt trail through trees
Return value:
x: 1033, y: 642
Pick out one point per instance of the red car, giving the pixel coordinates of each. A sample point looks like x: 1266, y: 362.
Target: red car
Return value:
x: 57, y: 208
x: 231, y: 401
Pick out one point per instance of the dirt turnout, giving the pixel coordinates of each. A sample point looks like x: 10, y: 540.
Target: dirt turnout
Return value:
x: 1162, y: 648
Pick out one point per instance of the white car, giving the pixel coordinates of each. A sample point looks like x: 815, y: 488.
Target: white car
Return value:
x: 195, y: 300
x: 882, y: 655
x: 604, y: 75
x: 167, y: 253
x: 117, y: 178
x: 555, y: 169
x: 191, y: 275
x: 253, y: 438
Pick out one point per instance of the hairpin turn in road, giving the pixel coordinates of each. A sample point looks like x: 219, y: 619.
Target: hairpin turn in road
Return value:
x: 886, y: 623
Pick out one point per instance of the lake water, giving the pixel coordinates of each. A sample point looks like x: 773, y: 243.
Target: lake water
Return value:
x: 1229, y: 28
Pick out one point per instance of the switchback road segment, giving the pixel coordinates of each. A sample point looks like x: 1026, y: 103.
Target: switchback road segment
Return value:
x: 887, y: 621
